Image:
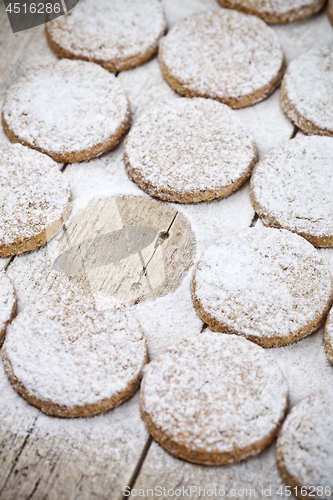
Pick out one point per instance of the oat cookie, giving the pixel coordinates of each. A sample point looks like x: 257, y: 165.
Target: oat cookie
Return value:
x: 71, y: 360
x: 276, y: 11
x: 35, y: 199
x: 213, y: 399
x: 117, y: 35
x: 292, y: 188
x: 70, y: 110
x: 330, y: 10
x: 304, y: 448
x: 307, y: 90
x: 7, y: 303
x: 226, y: 55
x: 329, y: 336
x: 268, y: 285
x: 189, y: 150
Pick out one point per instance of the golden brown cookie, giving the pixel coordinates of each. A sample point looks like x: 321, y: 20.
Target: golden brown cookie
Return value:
x: 276, y: 11
x: 7, y: 303
x: 329, y: 336
x: 304, y: 448
x: 213, y: 399
x: 70, y: 359
x: 117, y: 35
x: 292, y: 188
x: 35, y: 199
x: 307, y: 90
x: 226, y: 55
x: 268, y: 285
x: 70, y: 110
x: 189, y: 150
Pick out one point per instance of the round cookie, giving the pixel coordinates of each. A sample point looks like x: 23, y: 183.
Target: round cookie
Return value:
x: 117, y: 35
x: 70, y: 110
x: 213, y: 399
x: 307, y: 90
x: 330, y: 10
x: 71, y: 360
x: 304, y: 448
x: 329, y: 336
x: 268, y: 285
x: 292, y: 188
x: 35, y: 199
x: 189, y: 150
x: 7, y: 303
x: 225, y: 55
x: 276, y: 11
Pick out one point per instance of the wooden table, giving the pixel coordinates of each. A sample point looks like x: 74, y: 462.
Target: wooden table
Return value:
x: 96, y: 458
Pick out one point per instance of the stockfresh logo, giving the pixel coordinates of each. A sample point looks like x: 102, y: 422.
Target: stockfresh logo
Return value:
x: 25, y: 14
x: 129, y: 248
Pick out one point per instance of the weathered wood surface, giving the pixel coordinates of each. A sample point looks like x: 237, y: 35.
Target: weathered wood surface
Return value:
x: 48, y: 458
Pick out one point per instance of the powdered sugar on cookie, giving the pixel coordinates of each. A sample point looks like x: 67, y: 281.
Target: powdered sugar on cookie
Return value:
x: 226, y: 55
x: 118, y: 35
x: 307, y: 90
x: 7, y: 303
x: 268, y: 285
x: 70, y: 110
x: 34, y: 202
x: 225, y: 421
x: 304, y: 450
x: 61, y: 350
x: 189, y: 150
x: 292, y: 188
x: 276, y: 11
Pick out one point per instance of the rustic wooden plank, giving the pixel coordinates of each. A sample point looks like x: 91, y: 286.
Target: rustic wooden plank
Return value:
x: 132, y: 248
x: 12, y: 45
x: 83, y: 458
x: 173, y: 478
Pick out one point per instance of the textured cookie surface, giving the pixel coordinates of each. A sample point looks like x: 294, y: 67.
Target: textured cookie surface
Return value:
x: 329, y: 336
x: 292, y: 188
x: 7, y: 303
x: 213, y: 398
x: 70, y: 110
x: 34, y: 199
x: 228, y: 56
x: 268, y: 285
x: 117, y: 35
x: 304, y: 448
x: 189, y: 150
x: 276, y: 11
x: 307, y: 90
x: 69, y: 359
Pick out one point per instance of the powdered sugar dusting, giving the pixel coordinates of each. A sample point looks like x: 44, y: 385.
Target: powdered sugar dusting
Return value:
x: 181, y: 396
x: 189, y: 147
x: 267, y: 9
x: 306, y: 440
x: 65, y: 351
x: 308, y: 85
x: 34, y: 194
x: 109, y: 31
x: 7, y: 302
x: 66, y: 107
x: 265, y: 284
x: 293, y: 186
x: 222, y: 55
